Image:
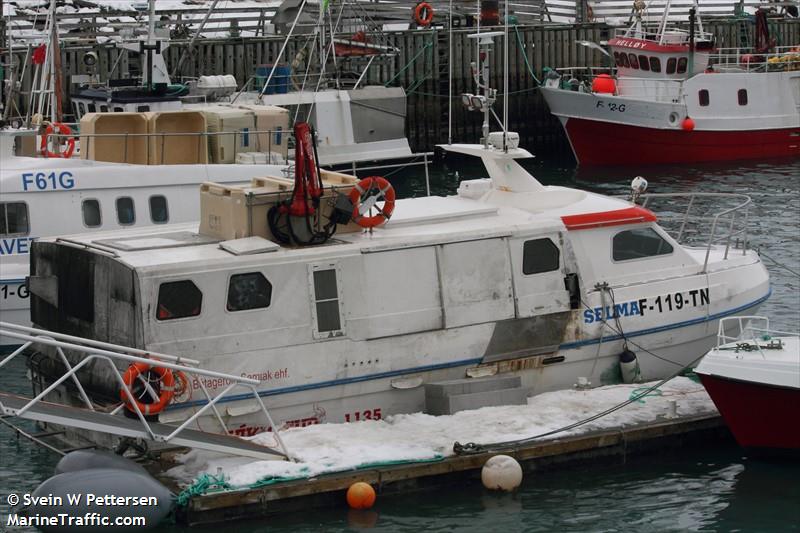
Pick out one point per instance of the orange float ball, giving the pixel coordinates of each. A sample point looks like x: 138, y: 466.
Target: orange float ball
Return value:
x: 360, y: 495
x: 687, y: 124
x: 604, y: 83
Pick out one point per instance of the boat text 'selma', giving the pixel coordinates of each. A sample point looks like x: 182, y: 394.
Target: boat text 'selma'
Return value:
x: 506, y: 277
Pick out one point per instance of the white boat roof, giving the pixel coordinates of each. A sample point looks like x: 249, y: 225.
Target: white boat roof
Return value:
x: 416, y: 222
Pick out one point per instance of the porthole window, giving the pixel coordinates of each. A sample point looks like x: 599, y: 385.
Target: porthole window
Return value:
x: 682, y: 65
x: 639, y: 243
x: 178, y: 299
x: 703, y: 97
x: 742, y: 94
x: 126, y: 214
x: 672, y: 64
x: 14, y: 219
x: 644, y: 63
x: 91, y: 213
x: 655, y: 64
x: 159, y: 213
x: 539, y: 255
x: 633, y: 60
x: 248, y: 291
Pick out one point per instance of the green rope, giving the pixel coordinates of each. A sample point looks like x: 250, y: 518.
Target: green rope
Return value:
x: 409, y: 63
x: 639, y: 390
x: 525, y: 55
x: 204, y: 484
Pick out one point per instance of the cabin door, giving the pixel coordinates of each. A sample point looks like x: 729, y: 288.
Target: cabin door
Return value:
x: 539, y: 272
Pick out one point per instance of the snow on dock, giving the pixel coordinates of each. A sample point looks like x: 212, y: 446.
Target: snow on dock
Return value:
x: 413, y: 438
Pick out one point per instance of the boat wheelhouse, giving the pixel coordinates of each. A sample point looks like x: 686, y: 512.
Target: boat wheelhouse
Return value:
x: 675, y: 98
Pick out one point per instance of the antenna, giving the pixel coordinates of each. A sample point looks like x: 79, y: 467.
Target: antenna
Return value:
x: 505, y: 79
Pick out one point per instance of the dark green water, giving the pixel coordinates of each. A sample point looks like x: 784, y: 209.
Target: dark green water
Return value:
x: 718, y: 488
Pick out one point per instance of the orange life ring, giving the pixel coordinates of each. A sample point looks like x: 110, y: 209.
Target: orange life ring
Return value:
x: 166, y: 393
x: 423, y: 14
x: 64, y: 130
x: 364, y: 190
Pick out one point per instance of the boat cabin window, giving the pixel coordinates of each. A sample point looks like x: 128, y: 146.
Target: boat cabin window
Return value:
x: 248, y: 291
x: 14, y: 218
x: 672, y: 64
x: 703, y: 97
x: 118, y: 109
x: 682, y: 65
x: 539, y: 255
x: 326, y: 301
x: 90, y: 108
x: 126, y: 214
x: 624, y: 58
x: 634, y: 61
x: 103, y: 108
x: 178, y: 299
x: 638, y: 244
x: 655, y: 64
x: 91, y: 213
x: 143, y: 108
x: 159, y: 213
x: 742, y: 96
x: 644, y: 63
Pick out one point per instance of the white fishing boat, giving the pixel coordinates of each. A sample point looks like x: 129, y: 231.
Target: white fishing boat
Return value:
x: 506, y: 278
x: 754, y: 380
x: 673, y: 97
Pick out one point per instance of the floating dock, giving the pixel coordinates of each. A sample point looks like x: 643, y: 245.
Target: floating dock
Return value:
x: 607, y: 447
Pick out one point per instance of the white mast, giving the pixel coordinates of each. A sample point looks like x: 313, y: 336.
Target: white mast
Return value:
x: 505, y: 79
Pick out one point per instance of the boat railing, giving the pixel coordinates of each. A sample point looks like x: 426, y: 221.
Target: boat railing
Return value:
x: 656, y: 89
x: 781, y: 58
x: 671, y: 35
x: 753, y: 334
x: 112, y: 355
x: 702, y: 222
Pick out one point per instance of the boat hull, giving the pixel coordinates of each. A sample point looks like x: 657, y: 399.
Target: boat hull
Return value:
x: 598, y: 143
x: 758, y: 415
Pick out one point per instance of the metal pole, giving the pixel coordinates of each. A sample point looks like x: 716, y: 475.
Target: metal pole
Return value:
x: 505, y: 80
x: 283, y: 49
x: 450, y: 85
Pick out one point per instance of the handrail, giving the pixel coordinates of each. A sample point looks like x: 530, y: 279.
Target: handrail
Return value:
x: 43, y: 337
x: 761, y: 327
x: 728, y: 236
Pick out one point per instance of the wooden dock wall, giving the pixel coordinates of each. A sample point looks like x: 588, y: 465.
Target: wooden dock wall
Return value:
x: 421, y: 67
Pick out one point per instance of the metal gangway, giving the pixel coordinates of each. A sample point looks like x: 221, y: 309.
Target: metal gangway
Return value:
x: 91, y: 417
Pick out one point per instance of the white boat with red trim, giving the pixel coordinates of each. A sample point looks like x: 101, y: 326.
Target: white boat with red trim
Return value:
x: 754, y: 380
x: 674, y: 98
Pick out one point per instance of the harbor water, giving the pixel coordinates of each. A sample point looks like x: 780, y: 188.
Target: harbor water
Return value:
x: 717, y: 488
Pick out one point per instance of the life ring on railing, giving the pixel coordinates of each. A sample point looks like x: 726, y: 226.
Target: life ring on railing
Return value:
x: 63, y: 130
x: 423, y: 14
x: 166, y: 388
x: 365, y: 195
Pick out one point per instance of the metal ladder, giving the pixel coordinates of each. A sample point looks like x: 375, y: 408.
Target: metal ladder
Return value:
x: 91, y: 418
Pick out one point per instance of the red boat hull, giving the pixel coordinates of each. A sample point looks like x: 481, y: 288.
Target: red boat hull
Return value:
x: 604, y: 143
x: 758, y: 415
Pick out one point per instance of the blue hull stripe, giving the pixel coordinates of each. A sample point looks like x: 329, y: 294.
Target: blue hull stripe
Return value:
x: 462, y: 362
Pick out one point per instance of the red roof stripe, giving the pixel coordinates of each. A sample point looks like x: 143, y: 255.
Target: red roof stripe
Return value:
x: 618, y: 217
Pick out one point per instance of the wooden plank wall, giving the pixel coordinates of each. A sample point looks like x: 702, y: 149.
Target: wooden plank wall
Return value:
x: 426, y: 77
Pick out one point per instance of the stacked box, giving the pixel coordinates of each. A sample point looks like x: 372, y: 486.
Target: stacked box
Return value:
x: 119, y: 148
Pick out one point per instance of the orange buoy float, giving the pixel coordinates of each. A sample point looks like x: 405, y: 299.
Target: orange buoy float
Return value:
x: 603, y: 83
x: 687, y: 124
x: 166, y: 389
x: 364, y: 196
x: 61, y: 130
x: 360, y: 495
x: 423, y: 14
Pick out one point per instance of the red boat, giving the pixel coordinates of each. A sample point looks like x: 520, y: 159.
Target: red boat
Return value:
x: 754, y: 380
x: 675, y: 98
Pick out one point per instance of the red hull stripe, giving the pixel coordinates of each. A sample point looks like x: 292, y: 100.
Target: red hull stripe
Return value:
x: 648, y: 46
x: 630, y: 215
x: 759, y: 416
x: 606, y: 143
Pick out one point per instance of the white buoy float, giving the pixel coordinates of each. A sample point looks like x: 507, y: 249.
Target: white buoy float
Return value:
x: 501, y: 472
